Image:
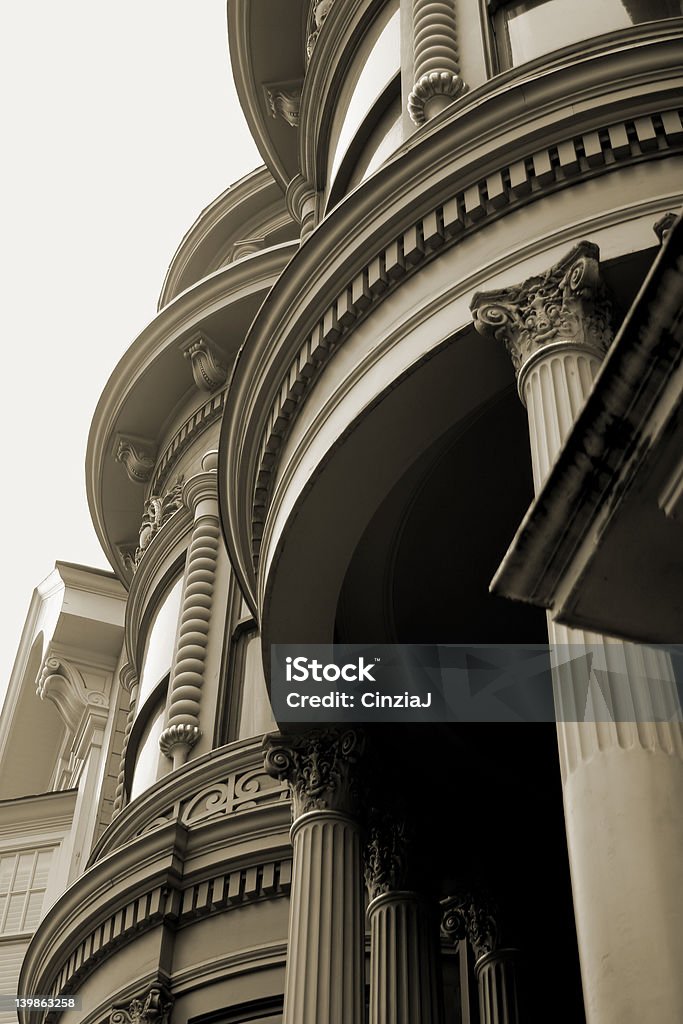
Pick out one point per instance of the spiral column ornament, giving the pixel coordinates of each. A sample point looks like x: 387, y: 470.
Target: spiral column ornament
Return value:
x: 437, y: 69
x: 187, y: 674
x: 129, y: 681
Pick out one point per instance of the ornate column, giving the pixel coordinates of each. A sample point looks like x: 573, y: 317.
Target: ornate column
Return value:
x: 405, y: 977
x: 187, y: 674
x: 130, y: 682
x: 325, y: 981
x: 621, y: 747
x: 437, y: 69
x: 472, y: 917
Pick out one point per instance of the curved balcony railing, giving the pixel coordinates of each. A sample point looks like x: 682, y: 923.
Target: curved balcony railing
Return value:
x: 227, y: 781
x: 210, y: 837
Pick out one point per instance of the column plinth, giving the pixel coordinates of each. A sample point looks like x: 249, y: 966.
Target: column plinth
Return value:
x: 618, y: 715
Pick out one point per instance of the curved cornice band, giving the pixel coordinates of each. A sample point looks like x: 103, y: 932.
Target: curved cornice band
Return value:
x: 246, y: 279
x: 254, y: 199
x: 461, y: 170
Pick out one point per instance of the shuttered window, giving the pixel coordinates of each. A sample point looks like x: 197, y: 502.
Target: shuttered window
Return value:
x: 23, y: 880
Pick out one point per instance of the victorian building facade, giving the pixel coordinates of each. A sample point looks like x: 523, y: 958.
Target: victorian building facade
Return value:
x: 369, y: 357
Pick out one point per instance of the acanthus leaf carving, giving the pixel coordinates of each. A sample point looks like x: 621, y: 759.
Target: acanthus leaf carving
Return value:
x: 157, y: 510
x: 320, y: 766
x: 471, y: 915
x: 208, y: 369
x: 568, y: 303
x: 318, y: 13
x: 387, y: 854
x: 152, y: 1007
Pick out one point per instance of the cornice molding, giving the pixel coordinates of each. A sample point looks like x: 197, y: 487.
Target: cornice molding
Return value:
x: 343, y: 296
x: 37, y: 814
x: 113, y: 903
x: 192, y: 428
x: 241, y: 49
x: 225, y: 217
x: 345, y: 24
x: 170, y: 326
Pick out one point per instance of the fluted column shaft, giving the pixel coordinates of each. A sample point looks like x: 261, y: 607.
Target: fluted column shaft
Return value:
x: 621, y: 759
x: 436, y: 64
x: 405, y: 980
x: 187, y: 673
x: 497, y: 984
x: 325, y: 981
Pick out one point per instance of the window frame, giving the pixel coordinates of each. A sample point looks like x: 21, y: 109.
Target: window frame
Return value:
x: 30, y: 889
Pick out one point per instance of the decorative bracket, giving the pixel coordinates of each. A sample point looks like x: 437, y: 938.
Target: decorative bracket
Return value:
x: 284, y: 100
x: 208, y: 369
x: 137, y: 455
x: 62, y: 683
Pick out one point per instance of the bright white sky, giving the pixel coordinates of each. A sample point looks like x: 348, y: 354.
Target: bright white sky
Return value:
x: 120, y: 123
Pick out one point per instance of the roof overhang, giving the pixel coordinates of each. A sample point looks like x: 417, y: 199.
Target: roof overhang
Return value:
x: 267, y: 51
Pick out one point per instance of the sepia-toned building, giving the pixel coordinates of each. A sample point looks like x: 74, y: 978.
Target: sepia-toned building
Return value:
x: 370, y: 357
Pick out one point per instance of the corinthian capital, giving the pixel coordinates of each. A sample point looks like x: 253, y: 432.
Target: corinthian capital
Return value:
x: 568, y: 305
x: 320, y: 766
x: 471, y: 916
x: 387, y: 855
x: 152, y: 1007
